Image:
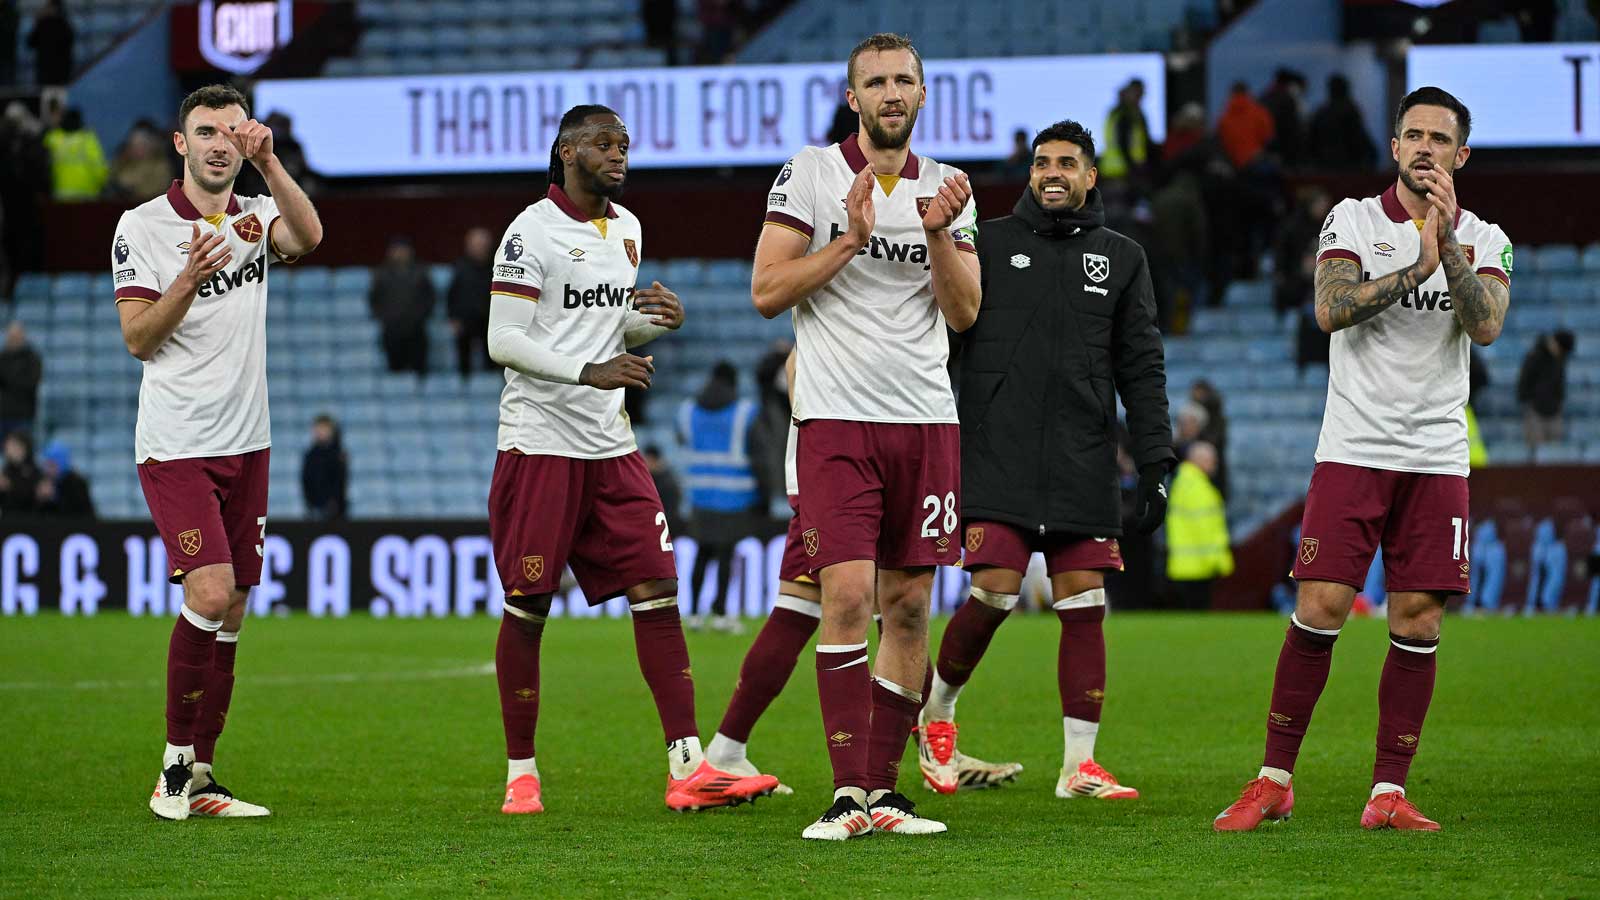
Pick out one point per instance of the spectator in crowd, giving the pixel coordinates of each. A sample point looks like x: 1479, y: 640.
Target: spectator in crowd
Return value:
x: 769, y: 434
x: 77, y: 164
x: 1187, y: 131
x: 1021, y: 158
x: 666, y: 484
x: 24, y: 188
x: 719, y: 21
x: 8, y: 42
x: 1283, y: 100
x: 1338, y: 138
x: 1245, y: 128
x: 51, y: 39
x: 1179, y: 242
x: 661, y: 26
x: 1477, y: 380
x: 62, y: 491
x: 1127, y: 135
x: 1191, y: 421
x: 142, y: 169
x: 291, y: 155
x: 1542, y: 387
x: 1215, y: 429
x: 325, y: 472
x: 1197, y: 529
x: 20, y: 372
x: 724, y: 493
x: 401, y: 299
x: 19, y: 475
x: 467, y: 303
x: 1294, y: 250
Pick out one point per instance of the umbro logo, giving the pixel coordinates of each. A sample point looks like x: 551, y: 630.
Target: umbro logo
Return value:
x: 839, y: 737
x: 1020, y: 261
x: 576, y: 254
x: 1384, y: 246
x: 1280, y: 718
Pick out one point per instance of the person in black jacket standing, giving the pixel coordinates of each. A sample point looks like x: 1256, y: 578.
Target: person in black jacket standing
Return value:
x: 1067, y: 324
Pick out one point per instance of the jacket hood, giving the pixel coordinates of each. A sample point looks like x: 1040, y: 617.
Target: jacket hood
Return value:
x: 1061, y: 224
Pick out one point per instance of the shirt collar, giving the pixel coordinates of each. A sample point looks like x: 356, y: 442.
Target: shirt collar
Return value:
x: 185, y: 209
x: 565, y: 204
x: 851, y: 148
x: 1396, y: 211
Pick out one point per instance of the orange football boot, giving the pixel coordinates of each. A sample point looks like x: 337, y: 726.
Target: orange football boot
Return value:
x: 1393, y: 810
x: 711, y: 787
x: 522, y: 796
x: 1263, y: 800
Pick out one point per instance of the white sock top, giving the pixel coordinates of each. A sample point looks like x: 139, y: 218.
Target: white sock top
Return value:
x: 1080, y: 735
x: 684, y: 756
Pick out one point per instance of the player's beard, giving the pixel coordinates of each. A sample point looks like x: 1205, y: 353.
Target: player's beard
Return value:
x: 1413, y: 185
x: 882, y: 138
x: 601, y: 186
x: 209, y: 180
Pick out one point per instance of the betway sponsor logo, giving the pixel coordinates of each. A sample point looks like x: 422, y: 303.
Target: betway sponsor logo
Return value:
x: 879, y: 248
x: 1420, y: 299
x: 600, y: 296
x: 223, y: 282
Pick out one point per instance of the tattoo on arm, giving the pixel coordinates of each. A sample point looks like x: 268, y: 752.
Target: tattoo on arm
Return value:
x: 1344, y: 300
x: 1480, y: 303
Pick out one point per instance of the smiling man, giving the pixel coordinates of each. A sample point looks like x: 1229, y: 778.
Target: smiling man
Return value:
x: 1068, y: 317
x: 190, y: 271
x: 1405, y: 282
x: 872, y: 248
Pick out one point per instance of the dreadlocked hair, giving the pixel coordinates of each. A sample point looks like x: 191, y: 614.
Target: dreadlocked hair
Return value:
x: 573, y: 118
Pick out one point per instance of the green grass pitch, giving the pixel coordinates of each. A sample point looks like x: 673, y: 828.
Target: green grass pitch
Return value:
x: 377, y: 743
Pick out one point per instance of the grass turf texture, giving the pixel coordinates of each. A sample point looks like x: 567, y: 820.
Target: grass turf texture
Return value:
x: 377, y: 744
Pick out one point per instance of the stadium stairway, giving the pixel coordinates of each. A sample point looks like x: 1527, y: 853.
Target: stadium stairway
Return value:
x: 425, y: 447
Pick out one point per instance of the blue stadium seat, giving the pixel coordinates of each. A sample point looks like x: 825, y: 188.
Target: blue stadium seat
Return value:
x: 1556, y: 259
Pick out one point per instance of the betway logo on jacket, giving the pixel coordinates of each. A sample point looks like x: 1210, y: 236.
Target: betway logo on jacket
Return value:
x: 600, y: 296
x: 879, y: 248
x: 223, y: 282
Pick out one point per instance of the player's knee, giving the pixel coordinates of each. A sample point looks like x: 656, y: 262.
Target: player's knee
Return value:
x: 1416, y: 615
x: 848, y: 610
x: 997, y: 580
x: 1322, y: 604
x: 908, y: 616
x: 209, y: 592
x: 528, y: 609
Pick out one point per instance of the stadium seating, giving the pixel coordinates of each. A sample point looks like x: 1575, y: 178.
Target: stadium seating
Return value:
x: 426, y: 448
x: 97, y: 24
x: 826, y: 29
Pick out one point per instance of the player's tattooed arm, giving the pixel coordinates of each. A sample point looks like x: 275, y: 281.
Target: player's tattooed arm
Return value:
x: 1342, y: 299
x: 1480, y: 303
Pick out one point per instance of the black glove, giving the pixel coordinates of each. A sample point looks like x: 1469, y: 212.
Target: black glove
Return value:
x: 1151, y: 505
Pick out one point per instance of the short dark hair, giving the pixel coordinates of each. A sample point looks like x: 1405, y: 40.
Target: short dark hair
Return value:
x: 212, y: 96
x: 1433, y: 96
x: 880, y: 42
x: 572, y: 119
x: 1070, y: 131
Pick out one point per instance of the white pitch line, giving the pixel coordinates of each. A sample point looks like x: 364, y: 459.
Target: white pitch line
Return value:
x: 313, y: 678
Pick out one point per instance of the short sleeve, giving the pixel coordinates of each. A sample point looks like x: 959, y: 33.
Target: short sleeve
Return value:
x: 965, y: 228
x: 517, y: 270
x: 133, y: 276
x: 266, y: 209
x: 1338, y: 239
x: 790, y: 202
x: 1494, y: 255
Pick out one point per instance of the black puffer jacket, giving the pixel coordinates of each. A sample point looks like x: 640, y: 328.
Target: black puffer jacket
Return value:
x: 1068, y: 318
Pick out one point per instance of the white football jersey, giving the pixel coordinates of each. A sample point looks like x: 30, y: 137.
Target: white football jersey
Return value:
x: 791, y: 466
x: 204, y: 392
x: 871, y: 342
x: 1397, y: 383
x: 581, y: 274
